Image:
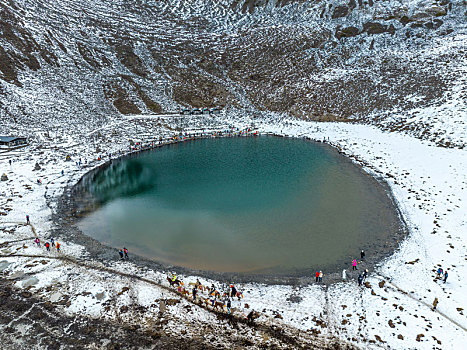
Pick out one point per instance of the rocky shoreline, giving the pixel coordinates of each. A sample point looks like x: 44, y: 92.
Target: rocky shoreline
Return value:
x: 75, y: 203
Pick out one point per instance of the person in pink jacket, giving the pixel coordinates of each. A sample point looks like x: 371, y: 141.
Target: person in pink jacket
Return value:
x: 354, y: 264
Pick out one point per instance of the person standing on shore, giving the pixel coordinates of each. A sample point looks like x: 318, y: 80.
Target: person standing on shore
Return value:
x: 360, y: 279
x: 27, y: 220
x: 320, y: 278
x: 445, y: 276
x: 120, y: 252
x: 125, y: 251
x: 362, y: 255
x: 354, y: 264
x: 317, y: 276
x: 344, y: 274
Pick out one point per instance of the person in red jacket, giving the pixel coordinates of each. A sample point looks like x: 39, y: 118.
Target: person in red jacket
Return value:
x: 317, y: 276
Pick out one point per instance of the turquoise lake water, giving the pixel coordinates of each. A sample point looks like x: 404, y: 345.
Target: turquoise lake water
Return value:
x: 257, y: 204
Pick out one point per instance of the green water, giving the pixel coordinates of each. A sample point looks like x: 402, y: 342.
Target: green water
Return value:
x: 239, y: 205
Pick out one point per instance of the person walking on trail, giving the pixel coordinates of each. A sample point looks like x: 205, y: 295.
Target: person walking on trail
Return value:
x: 229, y: 305
x: 320, y: 277
x: 174, y: 277
x: 58, y: 247
x: 440, y: 272
x: 365, y: 274
x: 317, y: 276
x: 47, y: 246
x: 38, y: 242
x: 27, y: 220
x: 435, y: 303
x: 194, y: 293
x: 360, y: 279
x: 52, y: 242
x: 362, y: 255
x: 63, y: 172
x: 120, y: 252
x: 125, y: 251
x: 354, y: 264
x: 445, y: 277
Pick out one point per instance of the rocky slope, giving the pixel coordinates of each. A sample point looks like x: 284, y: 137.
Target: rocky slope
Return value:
x: 355, y: 60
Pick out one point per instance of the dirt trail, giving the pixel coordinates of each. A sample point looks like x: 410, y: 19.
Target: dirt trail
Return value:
x: 277, y: 332
x: 400, y: 290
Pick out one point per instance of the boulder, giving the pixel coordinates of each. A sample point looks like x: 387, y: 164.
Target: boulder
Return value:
x: 37, y: 167
x: 374, y: 28
x: 4, y: 177
x: 404, y: 20
x: 436, y: 11
x: 347, y: 32
x: 340, y: 11
x: 416, y: 25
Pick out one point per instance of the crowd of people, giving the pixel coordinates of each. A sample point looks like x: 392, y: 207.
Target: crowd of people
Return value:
x: 123, y: 253
x: 214, y: 298
x: 47, y: 244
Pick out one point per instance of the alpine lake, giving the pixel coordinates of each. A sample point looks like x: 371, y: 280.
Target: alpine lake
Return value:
x: 246, y: 205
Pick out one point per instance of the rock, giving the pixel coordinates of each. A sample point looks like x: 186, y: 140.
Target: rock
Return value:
x: 428, y: 25
x: 437, y: 23
x: 420, y: 15
x: 124, y: 309
x: 404, y: 20
x: 340, y: 11
x: 4, y: 177
x: 352, y: 4
x: 162, y: 307
x: 347, y: 32
x: 374, y: 28
x: 37, y: 167
x: 436, y: 11
x: 416, y: 25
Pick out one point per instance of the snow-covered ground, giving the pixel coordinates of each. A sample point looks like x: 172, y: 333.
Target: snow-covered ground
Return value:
x: 393, y: 310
